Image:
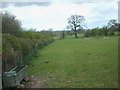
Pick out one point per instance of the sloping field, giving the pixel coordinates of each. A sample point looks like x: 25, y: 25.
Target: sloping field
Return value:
x: 78, y: 63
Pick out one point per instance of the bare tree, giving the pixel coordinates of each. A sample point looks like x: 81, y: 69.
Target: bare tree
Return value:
x: 76, y: 22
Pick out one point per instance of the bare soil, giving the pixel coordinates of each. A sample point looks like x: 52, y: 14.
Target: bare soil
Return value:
x: 32, y: 82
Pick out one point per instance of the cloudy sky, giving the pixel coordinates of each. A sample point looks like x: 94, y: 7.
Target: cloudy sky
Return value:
x: 54, y: 14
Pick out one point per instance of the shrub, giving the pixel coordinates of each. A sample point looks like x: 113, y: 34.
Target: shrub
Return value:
x: 111, y: 33
x: 87, y: 33
x: 10, y: 43
x: 10, y: 48
x: 26, y: 46
x: 117, y: 33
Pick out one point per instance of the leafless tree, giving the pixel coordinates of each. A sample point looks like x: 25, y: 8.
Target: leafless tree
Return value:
x: 76, y: 22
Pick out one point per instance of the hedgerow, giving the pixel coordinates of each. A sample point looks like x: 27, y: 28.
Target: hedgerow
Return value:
x: 17, y: 43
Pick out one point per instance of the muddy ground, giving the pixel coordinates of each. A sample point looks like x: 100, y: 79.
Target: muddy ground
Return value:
x: 32, y: 82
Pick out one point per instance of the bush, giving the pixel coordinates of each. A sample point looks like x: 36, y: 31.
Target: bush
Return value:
x: 26, y: 46
x: 87, y: 33
x: 117, y: 33
x: 10, y: 48
x: 111, y: 33
x: 10, y: 43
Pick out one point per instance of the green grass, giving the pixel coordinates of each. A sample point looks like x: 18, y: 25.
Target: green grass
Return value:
x: 78, y: 63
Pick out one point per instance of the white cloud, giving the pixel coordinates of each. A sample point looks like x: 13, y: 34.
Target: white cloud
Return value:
x: 55, y: 16
x: 54, y: 0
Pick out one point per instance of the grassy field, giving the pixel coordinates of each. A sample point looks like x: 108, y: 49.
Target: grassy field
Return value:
x: 78, y: 63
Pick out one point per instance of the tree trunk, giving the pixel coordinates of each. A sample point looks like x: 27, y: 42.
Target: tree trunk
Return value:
x: 76, y: 34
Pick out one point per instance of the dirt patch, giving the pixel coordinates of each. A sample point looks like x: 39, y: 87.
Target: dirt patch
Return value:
x: 32, y: 82
x: 37, y: 82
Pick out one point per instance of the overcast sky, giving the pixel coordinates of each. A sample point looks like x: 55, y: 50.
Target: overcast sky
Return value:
x: 45, y: 15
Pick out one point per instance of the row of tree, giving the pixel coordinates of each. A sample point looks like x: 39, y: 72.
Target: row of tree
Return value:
x: 76, y: 23
x: 99, y: 32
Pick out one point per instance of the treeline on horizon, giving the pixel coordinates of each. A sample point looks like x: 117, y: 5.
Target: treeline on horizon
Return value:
x: 17, y: 43
x: 111, y: 29
x: 101, y: 32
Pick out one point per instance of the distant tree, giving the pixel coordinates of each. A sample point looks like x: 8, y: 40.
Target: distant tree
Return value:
x: 118, y: 27
x: 32, y: 29
x: 47, y: 32
x: 10, y: 24
x: 112, y: 24
x: 94, y: 32
x: 105, y: 30
x: 100, y: 32
x: 50, y: 31
x: 87, y: 33
x: 63, y: 34
x: 76, y: 22
x: 111, y: 32
x: 70, y: 32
